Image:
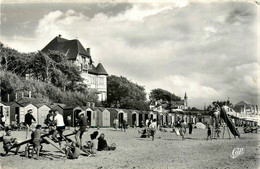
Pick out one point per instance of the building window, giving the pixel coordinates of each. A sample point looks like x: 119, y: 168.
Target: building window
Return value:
x: 101, y: 80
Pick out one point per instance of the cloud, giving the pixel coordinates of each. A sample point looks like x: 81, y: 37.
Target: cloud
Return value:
x: 237, y: 16
x: 195, y: 48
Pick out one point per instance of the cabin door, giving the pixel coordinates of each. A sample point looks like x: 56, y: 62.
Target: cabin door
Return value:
x: 134, y: 119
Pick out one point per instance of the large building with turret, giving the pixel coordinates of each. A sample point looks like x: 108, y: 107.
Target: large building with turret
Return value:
x: 95, y: 77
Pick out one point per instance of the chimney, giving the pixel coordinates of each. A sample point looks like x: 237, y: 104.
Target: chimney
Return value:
x: 88, y: 104
x: 16, y: 97
x: 59, y: 35
x: 30, y: 94
x: 88, y: 50
x: 92, y: 104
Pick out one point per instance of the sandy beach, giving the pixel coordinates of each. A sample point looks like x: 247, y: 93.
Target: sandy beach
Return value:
x: 166, y: 151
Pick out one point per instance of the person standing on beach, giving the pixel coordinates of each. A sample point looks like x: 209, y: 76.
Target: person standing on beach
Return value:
x: 60, y: 126
x: 209, y: 133
x: 115, y: 123
x: 190, y: 128
x: 152, y: 127
x: 124, y: 125
x: 28, y: 121
x: 182, y: 129
x: 82, y: 122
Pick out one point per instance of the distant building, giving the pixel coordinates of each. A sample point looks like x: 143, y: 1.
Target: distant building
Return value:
x: 95, y: 77
x: 245, y: 108
x: 180, y: 105
x: 159, y: 106
x: 247, y: 111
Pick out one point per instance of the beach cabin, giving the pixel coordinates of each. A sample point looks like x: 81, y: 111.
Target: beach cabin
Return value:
x: 161, y: 117
x: 104, y: 117
x: 172, y: 117
x: 14, y: 112
x: 128, y: 117
x: 92, y: 114
x: 134, y: 117
x: 58, y: 106
x: 140, y: 119
x: 152, y: 115
x: 145, y: 114
x: 169, y: 118
x: 71, y: 114
x: 193, y: 119
x: 24, y: 109
x: 95, y: 118
x: 43, y: 110
x: 121, y: 114
x: 5, y: 110
x: 113, y: 115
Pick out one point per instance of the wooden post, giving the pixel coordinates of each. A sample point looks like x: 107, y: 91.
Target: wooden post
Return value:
x: 223, y: 132
x: 228, y: 133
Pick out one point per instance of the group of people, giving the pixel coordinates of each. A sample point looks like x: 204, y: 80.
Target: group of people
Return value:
x: 150, y: 129
x: 54, y: 121
x: 123, y: 126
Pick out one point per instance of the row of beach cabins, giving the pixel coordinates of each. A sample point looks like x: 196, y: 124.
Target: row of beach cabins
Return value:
x: 14, y: 113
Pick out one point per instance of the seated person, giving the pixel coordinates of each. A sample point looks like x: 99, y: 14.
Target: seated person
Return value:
x: 72, y: 150
x: 102, y: 144
x: 144, y: 133
x: 92, y: 145
x: 8, y: 140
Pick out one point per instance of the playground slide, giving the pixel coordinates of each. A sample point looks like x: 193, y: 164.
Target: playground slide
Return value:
x: 228, y: 121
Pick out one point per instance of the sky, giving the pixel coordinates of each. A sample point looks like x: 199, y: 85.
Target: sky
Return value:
x: 208, y: 49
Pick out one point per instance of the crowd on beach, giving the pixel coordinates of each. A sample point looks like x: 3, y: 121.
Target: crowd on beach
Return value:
x: 54, y: 121
x: 72, y: 149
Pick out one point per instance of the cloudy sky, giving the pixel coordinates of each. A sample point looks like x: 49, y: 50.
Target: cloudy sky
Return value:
x: 209, y: 50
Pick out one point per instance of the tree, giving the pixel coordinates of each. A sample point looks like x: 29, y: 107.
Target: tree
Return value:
x: 163, y: 98
x: 123, y: 93
x: 163, y: 95
x: 54, y: 77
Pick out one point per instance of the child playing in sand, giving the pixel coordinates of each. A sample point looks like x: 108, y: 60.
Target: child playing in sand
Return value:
x: 8, y: 140
x: 72, y: 150
x: 209, y: 133
x: 92, y: 145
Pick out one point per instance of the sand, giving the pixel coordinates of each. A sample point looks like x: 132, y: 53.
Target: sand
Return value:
x: 166, y: 151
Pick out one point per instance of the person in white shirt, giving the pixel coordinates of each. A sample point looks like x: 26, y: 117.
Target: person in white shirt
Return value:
x: 60, y: 126
x: 146, y: 122
x: 3, y: 121
x: 153, y: 127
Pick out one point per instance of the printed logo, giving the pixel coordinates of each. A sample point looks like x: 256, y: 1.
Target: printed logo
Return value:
x: 237, y: 152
